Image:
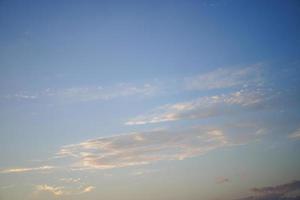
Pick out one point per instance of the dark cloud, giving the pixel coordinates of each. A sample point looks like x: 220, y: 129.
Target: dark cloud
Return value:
x: 288, y: 191
x: 221, y: 180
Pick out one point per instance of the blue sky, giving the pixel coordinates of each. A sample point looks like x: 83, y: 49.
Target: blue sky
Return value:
x: 149, y: 100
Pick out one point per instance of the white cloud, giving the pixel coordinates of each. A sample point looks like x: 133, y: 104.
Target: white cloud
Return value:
x: 142, y: 148
x: 88, y: 189
x: 204, y: 107
x: 126, y: 150
x: 225, y: 78
x: 21, y: 170
x: 21, y: 95
x: 70, y: 180
x: 295, y: 134
x: 58, y: 191
x: 67, y: 186
x: 217, y: 79
x: 101, y: 93
x: 143, y: 172
x: 91, y: 93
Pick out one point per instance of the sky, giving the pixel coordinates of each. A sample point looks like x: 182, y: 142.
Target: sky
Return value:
x: 143, y: 100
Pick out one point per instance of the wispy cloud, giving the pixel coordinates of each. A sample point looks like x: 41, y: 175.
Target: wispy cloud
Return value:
x: 91, y: 93
x: 295, y: 135
x: 226, y: 78
x: 52, y: 189
x: 62, y: 190
x: 21, y: 170
x: 101, y: 93
x: 205, y: 107
x: 70, y: 180
x: 22, y: 95
x: 7, y: 187
x: 143, y: 172
x: 286, y: 191
x: 65, y: 186
x: 143, y: 148
x: 217, y: 79
x: 222, y: 179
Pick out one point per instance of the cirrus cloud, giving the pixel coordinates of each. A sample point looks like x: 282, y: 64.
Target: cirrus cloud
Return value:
x: 295, y: 135
x: 226, y: 78
x: 143, y: 148
x: 62, y: 190
x: 28, y: 169
x: 205, y: 107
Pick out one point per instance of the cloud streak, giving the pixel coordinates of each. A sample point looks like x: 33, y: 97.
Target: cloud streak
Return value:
x: 101, y: 93
x: 143, y: 148
x: 63, y: 191
x: 205, y: 107
x: 295, y: 135
x: 222, y: 179
x: 66, y: 186
x: 92, y: 93
x: 217, y: 79
x: 225, y: 78
x: 22, y: 170
x: 287, y: 191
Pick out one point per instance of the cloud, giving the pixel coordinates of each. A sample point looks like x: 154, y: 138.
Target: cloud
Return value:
x: 217, y: 79
x: 52, y: 189
x: 288, y: 191
x: 62, y: 190
x: 21, y: 170
x: 88, y: 189
x: 225, y: 78
x: 70, y: 180
x: 92, y: 93
x: 7, y: 187
x: 205, y: 107
x: 101, y: 93
x: 221, y: 180
x: 143, y: 148
x: 143, y: 172
x: 67, y: 186
x: 295, y: 134
x: 25, y: 96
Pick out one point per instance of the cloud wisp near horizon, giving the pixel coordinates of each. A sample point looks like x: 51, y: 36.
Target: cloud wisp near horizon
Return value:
x: 287, y: 191
x: 247, y: 94
x: 63, y: 190
x: 143, y: 148
x: 143, y: 100
x: 27, y: 169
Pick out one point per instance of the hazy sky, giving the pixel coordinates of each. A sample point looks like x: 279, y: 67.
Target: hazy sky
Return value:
x: 144, y: 100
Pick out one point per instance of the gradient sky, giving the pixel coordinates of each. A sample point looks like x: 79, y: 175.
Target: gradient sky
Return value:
x: 143, y: 100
